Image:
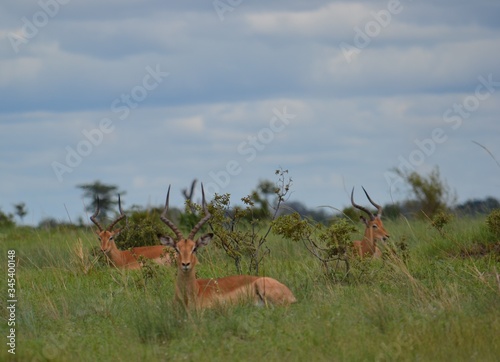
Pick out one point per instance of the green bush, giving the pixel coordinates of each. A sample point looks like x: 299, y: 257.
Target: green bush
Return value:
x: 440, y: 220
x: 328, y: 244
x: 142, y: 229
x: 493, y: 222
x: 6, y: 220
x: 242, y: 231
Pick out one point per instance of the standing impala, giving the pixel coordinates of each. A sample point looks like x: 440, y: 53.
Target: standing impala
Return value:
x: 374, y: 230
x: 126, y: 259
x: 205, y: 293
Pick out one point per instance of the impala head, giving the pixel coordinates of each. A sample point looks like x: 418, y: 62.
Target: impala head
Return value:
x: 186, y: 248
x: 374, y: 224
x: 107, y: 235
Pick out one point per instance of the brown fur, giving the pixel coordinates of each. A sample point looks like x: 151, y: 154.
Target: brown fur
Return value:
x: 374, y: 230
x: 127, y: 259
x: 206, y: 293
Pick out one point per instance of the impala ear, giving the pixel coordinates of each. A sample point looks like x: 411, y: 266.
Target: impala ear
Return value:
x: 204, y: 240
x: 362, y: 218
x: 167, y: 241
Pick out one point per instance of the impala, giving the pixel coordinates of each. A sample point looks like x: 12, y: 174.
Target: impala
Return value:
x: 374, y: 230
x: 127, y: 259
x: 205, y: 293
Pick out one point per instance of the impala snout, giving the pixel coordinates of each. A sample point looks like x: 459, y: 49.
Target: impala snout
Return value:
x: 106, y: 238
x: 384, y: 236
x: 105, y: 249
x: 186, y: 266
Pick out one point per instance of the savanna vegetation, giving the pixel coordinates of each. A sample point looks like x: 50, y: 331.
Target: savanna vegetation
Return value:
x: 433, y: 296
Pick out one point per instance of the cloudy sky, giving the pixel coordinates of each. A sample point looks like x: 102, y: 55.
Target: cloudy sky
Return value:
x: 143, y: 94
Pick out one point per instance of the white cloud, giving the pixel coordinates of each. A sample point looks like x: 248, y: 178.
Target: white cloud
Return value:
x: 353, y: 120
x: 19, y: 71
x: 188, y: 125
x: 323, y: 21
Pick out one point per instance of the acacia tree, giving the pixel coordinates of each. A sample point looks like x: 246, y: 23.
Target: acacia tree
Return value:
x: 106, y: 194
x: 21, y: 210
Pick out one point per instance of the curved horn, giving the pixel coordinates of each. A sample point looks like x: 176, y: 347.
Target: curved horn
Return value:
x: 379, y: 208
x: 94, y: 215
x: 198, y: 226
x: 360, y: 207
x: 168, y: 222
x: 122, y: 215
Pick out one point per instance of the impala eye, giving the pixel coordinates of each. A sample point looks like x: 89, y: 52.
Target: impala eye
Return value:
x: 375, y: 226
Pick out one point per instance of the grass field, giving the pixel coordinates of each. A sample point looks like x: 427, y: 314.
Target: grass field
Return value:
x: 442, y: 305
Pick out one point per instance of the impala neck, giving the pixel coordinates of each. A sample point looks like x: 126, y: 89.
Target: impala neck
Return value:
x: 116, y: 255
x: 369, y: 239
x: 187, y: 288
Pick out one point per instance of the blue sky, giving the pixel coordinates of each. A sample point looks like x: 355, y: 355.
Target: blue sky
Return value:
x: 147, y: 94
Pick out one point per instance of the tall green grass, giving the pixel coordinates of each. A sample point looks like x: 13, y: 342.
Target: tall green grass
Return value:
x: 439, y: 304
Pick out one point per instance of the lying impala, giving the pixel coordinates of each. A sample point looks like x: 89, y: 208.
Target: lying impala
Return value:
x: 126, y: 259
x: 205, y: 293
x: 374, y: 230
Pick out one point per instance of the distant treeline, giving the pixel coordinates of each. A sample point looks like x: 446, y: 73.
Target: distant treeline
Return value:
x: 324, y: 215
x: 427, y: 196
x: 408, y: 208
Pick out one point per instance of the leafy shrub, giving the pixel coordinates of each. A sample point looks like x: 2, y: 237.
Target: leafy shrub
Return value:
x: 440, y: 220
x: 6, y: 220
x: 431, y: 195
x: 493, y: 222
x: 242, y: 231
x: 328, y: 244
x: 143, y: 228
